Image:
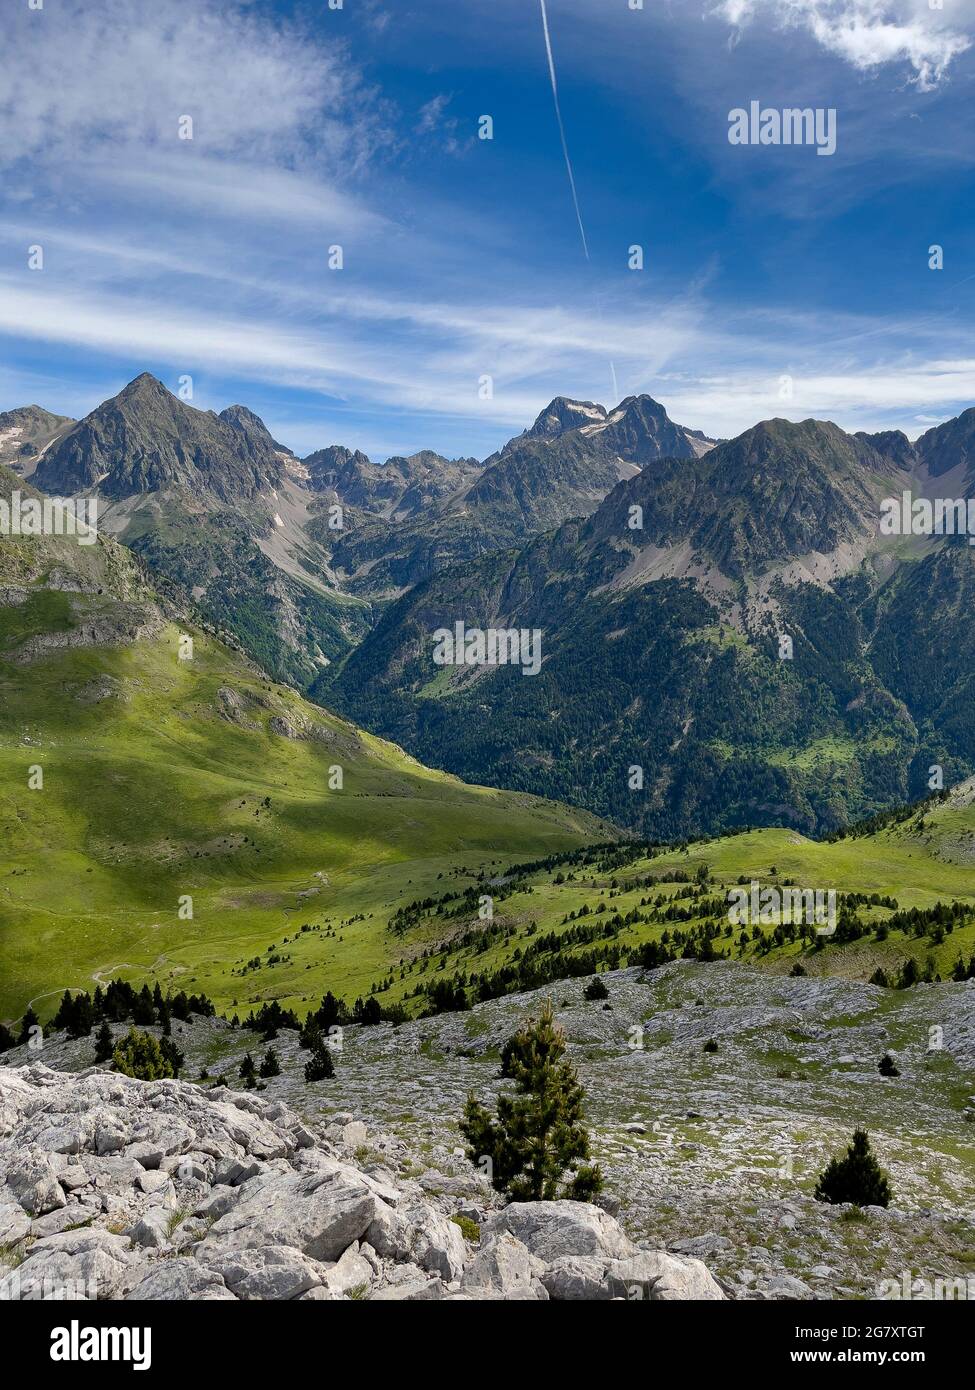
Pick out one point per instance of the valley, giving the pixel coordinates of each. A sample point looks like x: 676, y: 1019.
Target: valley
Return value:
x: 173, y: 816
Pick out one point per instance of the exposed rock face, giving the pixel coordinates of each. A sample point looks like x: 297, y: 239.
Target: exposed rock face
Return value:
x: 25, y: 433
x: 112, y: 1188
x: 146, y: 439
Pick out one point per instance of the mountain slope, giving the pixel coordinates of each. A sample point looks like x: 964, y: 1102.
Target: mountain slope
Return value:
x: 167, y: 778
x: 295, y: 555
x: 563, y: 466
x: 661, y: 655
x: 639, y: 429
x: 949, y: 446
x: 145, y: 439
x: 25, y: 433
x: 216, y: 504
x: 394, y: 490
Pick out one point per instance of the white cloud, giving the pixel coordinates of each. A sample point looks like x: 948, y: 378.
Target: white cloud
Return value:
x: 84, y: 80
x: 234, y: 188
x: 429, y: 357
x: 431, y: 113
x: 870, y: 33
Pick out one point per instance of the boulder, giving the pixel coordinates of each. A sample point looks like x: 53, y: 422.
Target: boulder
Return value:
x: 321, y: 1214
x: 152, y: 1229
x: 503, y: 1264
x: 576, y: 1278
x: 34, y: 1182
x: 353, y: 1271
x: 15, y: 1224
x: 275, y: 1272
x: 418, y: 1291
x: 653, y: 1274
x: 436, y: 1244
x: 551, y: 1230
x: 86, y: 1264
x: 155, y: 1184
x: 177, y: 1281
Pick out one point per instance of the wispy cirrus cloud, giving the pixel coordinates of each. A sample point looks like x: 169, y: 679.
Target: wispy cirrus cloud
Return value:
x: 427, y: 358
x: 83, y: 80
x: 870, y: 34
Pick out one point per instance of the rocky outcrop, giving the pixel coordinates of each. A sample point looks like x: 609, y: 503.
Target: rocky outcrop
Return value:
x: 117, y: 625
x: 112, y: 1188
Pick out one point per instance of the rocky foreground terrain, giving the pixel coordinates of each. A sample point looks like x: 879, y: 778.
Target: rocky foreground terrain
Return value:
x: 121, y: 1189
x: 707, y: 1156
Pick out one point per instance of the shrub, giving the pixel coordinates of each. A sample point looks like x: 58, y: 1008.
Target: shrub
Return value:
x: 320, y: 1067
x: 887, y: 1066
x: 535, y: 1143
x: 270, y: 1066
x: 856, y: 1178
x: 139, y: 1055
x: 710, y: 1045
x: 469, y: 1229
x: 104, y: 1045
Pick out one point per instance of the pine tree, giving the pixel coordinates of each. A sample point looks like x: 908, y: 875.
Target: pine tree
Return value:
x: 856, y: 1178
x: 7, y: 1039
x: 270, y: 1066
x: 172, y: 1054
x: 82, y: 1017
x: 538, y: 1138
x: 29, y: 1021
x: 139, y: 1055
x: 65, y: 1010
x: 143, y: 1011
x: 367, y: 1012
x: 104, y: 1046
x: 887, y: 1066
x: 320, y: 1067
x: 596, y: 989
x: 248, y: 1072
x: 329, y: 1012
x: 910, y: 974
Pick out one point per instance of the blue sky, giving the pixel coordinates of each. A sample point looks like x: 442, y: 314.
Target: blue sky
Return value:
x: 315, y: 127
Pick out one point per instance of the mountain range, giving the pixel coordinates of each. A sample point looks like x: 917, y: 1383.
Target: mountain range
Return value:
x: 664, y: 700
x: 667, y: 574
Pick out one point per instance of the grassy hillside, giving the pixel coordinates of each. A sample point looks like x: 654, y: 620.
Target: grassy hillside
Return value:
x: 596, y: 909
x: 151, y: 793
x: 166, y: 779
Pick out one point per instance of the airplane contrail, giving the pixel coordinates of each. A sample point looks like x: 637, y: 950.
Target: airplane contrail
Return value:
x: 558, y: 115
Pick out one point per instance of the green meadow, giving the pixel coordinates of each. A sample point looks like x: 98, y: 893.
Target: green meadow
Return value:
x: 154, y: 795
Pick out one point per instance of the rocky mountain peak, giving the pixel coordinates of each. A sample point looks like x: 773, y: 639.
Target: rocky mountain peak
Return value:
x: 563, y: 414
x: 146, y: 440
x: 946, y: 446
x: 240, y: 418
